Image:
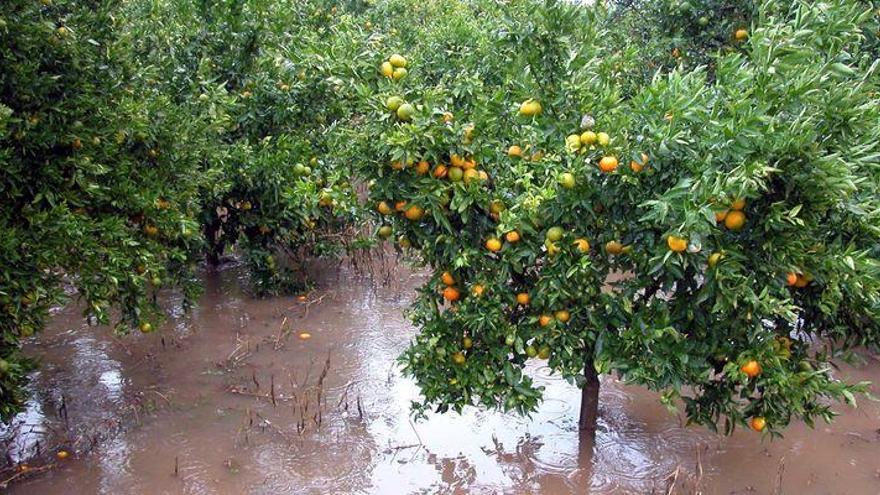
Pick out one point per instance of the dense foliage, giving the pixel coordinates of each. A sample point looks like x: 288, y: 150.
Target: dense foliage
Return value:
x: 680, y: 193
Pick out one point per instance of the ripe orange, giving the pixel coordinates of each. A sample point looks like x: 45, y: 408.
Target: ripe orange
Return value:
x: 151, y: 230
x: 447, y: 279
x: 469, y: 175
x: 751, y: 369
x: 456, y: 161
x: 383, y: 208
x: 512, y: 237
x: 493, y: 244
x: 741, y: 35
x: 545, y: 320
x: 608, y: 164
x: 563, y: 315
x: 523, y: 298
x: 146, y: 327
x: 76, y: 144
x: 483, y: 175
x: 467, y: 342
x: 414, y: 212
x: 738, y: 204
x: 735, y: 220
x: 469, y: 164
x: 448, y: 117
x: 720, y: 216
x: 514, y: 150
x: 803, y: 280
x: 440, y: 171
x: 398, y: 165
x: 451, y: 294
x: 422, y: 167
x: 62, y: 454
x: 304, y: 336
x: 638, y: 166
x: 477, y: 290
x: 397, y: 60
x: 603, y: 139
x: 496, y: 206
x: 676, y: 244
x: 400, y: 205
x: 582, y: 245
x: 757, y: 423
x: 613, y: 247
x: 791, y: 278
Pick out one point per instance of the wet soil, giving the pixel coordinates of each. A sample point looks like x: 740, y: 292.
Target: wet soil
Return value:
x: 228, y: 399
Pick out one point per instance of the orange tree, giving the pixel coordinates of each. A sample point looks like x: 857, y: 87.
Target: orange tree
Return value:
x: 98, y: 196
x: 714, y: 239
x: 261, y: 71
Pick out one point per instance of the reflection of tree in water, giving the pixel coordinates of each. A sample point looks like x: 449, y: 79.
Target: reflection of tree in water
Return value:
x: 456, y: 473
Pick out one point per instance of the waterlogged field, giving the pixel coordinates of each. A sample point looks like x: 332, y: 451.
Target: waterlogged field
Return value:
x: 235, y: 398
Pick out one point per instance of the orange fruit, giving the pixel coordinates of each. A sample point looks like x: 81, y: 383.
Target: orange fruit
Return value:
x: 496, y: 206
x: 791, y: 278
x: 448, y: 117
x: 751, y: 369
x: 456, y: 161
x: 613, y: 247
x: 467, y: 342
x: 545, y: 320
x: 398, y: 165
x: 608, y: 164
x: 458, y: 358
x: 738, y: 204
x: 514, y: 150
x: 146, y: 327
x: 414, y: 212
x: 151, y: 230
x: 720, y: 216
x: 469, y: 164
x: 400, y: 205
x: 537, y: 156
x: 741, y: 35
x: 447, y: 279
x: 483, y: 175
x: 588, y: 138
x: 62, y: 454
x: 563, y: 315
x: 304, y: 336
x: 603, y: 139
x: 422, y: 167
x: 714, y: 258
x: 735, y: 220
x: 582, y: 245
x: 397, y: 61
x: 383, y: 208
x: 512, y: 237
x: 469, y: 175
x: 523, y: 298
x: 493, y: 244
x: 477, y: 290
x: 530, y: 108
x: 455, y: 174
x: 638, y: 166
x: 440, y: 171
x: 451, y: 294
x: 676, y: 244
x: 757, y: 423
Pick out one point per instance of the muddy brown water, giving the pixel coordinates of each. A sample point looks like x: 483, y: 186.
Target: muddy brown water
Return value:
x: 180, y: 411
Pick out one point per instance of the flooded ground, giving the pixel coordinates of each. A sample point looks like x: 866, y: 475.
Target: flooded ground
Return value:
x: 230, y: 400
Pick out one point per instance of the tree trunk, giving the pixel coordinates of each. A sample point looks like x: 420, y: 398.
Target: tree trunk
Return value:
x: 589, y: 397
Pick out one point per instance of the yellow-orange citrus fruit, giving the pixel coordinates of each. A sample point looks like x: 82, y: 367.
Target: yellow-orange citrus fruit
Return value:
x: 608, y: 164
x: 512, y: 237
x: 563, y: 315
x: 451, y: 294
x: 735, y: 220
x: 757, y: 423
x: 447, y: 278
x: 676, y: 244
x: 493, y: 244
x: 414, y: 212
x: 523, y: 298
x: 582, y: 245
x: 751, y: 369
x: 545, y: 320
x: 514, y: 150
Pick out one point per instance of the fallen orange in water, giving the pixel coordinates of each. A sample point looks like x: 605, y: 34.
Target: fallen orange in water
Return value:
x: 62, y: 454
x: 305, y: 336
